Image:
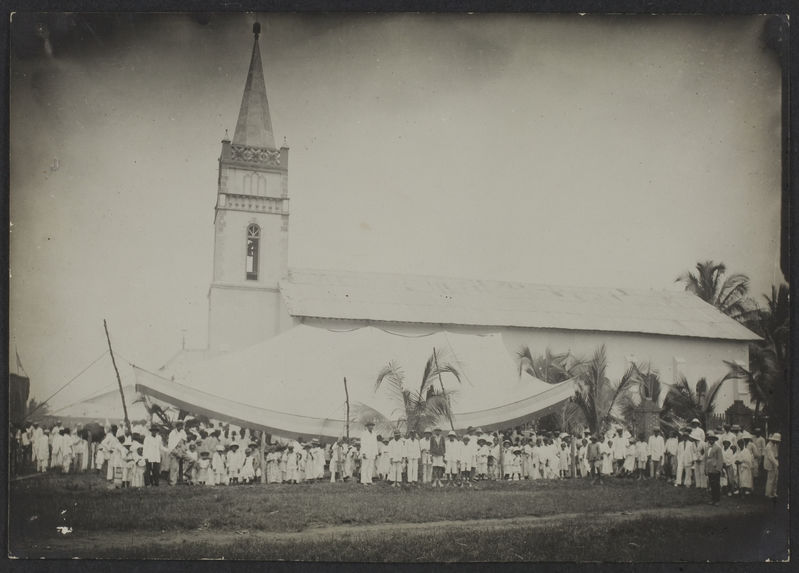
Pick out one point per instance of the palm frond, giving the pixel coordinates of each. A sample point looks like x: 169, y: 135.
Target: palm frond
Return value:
x: 362, y: 413
x: 526, y: 361
x: 393, y: 377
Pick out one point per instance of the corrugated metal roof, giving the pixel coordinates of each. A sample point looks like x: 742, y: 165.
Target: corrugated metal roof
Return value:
x: 441, y: 300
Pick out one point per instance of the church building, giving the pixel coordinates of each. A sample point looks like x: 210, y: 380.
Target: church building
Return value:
x: 256, y: 296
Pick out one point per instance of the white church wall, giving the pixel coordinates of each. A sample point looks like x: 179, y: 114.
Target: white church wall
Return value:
x: 670, y: 356
x: 240, y: 317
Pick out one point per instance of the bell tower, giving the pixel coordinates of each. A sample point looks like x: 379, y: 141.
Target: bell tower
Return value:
x: 250, y: 225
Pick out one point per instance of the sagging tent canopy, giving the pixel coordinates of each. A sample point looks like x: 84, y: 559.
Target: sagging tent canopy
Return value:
x: 106, y: 406
x: 292, y: 384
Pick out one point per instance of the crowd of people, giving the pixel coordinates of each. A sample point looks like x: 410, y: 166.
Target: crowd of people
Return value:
x: 727, y: 460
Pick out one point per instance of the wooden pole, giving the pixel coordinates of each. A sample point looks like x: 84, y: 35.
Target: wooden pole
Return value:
x: 347, y: 398
x: 573, y: 464
x: 263, y: 456
x: 119, y: 380
x: 440, y: 381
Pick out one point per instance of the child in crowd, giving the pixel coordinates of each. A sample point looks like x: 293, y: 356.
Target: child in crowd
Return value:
x: 234, y: 463
x: 452, y: 449
x: 292, y: 458
x: 628, y: 467
x: 730, y: 474
x: 466, y: 460
x: 204, y: 469
x: 641, y: 457
x: 744, y: 462
x: 564, y: 461
x: 218, y: 469
x: 247, y: 472
x: 515, y: 464
x: 482, y: 459
x: 139, y: 463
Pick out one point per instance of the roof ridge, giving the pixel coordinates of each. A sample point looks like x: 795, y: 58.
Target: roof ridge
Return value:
x: 444, y: 278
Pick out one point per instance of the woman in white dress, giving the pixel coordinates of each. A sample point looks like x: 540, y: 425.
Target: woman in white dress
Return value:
x: 744, y: 461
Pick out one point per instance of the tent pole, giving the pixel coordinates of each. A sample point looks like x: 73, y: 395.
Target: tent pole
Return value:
x: 347, y: 398
x: 263, y: 456
x: 119, y: 380
x: 440, y: 381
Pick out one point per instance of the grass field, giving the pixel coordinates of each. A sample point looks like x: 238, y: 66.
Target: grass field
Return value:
x: 565, y: 520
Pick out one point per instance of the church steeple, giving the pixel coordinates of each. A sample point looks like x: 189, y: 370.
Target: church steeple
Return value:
x: 251, y: 225
x: 254, y: 126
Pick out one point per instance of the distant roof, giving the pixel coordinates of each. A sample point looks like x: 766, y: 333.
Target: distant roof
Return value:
x: 440, y: 300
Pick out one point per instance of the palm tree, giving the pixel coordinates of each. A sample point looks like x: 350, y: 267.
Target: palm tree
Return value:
x: 649, y: 388
x: 768, y: 358
x: 683, y: 404
x: 551, y: 368
x: 596, y: 397
x: 420, y: 407
x: 728, y: 294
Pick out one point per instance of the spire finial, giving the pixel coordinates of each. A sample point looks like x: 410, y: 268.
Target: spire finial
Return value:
x: 256, y: 29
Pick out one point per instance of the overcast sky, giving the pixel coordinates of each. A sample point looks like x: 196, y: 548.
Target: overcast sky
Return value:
x: 596, y: 151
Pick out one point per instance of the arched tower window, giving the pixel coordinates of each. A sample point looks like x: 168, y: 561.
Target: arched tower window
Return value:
x: 253, y: 244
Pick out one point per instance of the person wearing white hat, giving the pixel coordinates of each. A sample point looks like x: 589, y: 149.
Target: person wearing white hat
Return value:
x: 426, y: 457
x: 368, y: 452
x: 452, y: 454
x: 629, y: 457
x: 771, y: 463
x: 334, y: 463
x: 413, y: 454
x: 730, y: 473
x: 657, y: 452
x: 714, y: 462
x: 438, y: 450
x: 234, y: 462
x: 698, y: 437
x: 153, y: 444
x: 466, y: 459
x: 744, y: 460
x: 177, y: 437
x: 686, y: 454
x: 482, y: 457
x: 696, y: 426
x: 396, y: 456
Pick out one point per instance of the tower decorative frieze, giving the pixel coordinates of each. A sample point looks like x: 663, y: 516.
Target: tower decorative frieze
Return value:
x: 247, y: 154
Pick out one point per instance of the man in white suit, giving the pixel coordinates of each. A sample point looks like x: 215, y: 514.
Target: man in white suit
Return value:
x: 368, y: 452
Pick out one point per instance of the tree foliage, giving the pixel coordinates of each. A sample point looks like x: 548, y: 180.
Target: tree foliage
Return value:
x: 551, y: 368
x: 767, y: 374
x: 682, y: 404
x: 418, y: 407
x: 598, y: 400
x: 729, y: 294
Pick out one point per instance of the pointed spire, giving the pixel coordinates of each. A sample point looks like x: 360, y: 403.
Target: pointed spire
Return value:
x: 254, y: 127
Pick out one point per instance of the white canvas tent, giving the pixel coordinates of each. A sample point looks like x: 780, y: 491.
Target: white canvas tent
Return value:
x: 106, y: 406
x: 292, y: 384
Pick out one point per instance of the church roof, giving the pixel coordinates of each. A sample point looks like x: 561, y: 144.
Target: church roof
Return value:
x: 449, y: 301
x: 254, y: 126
